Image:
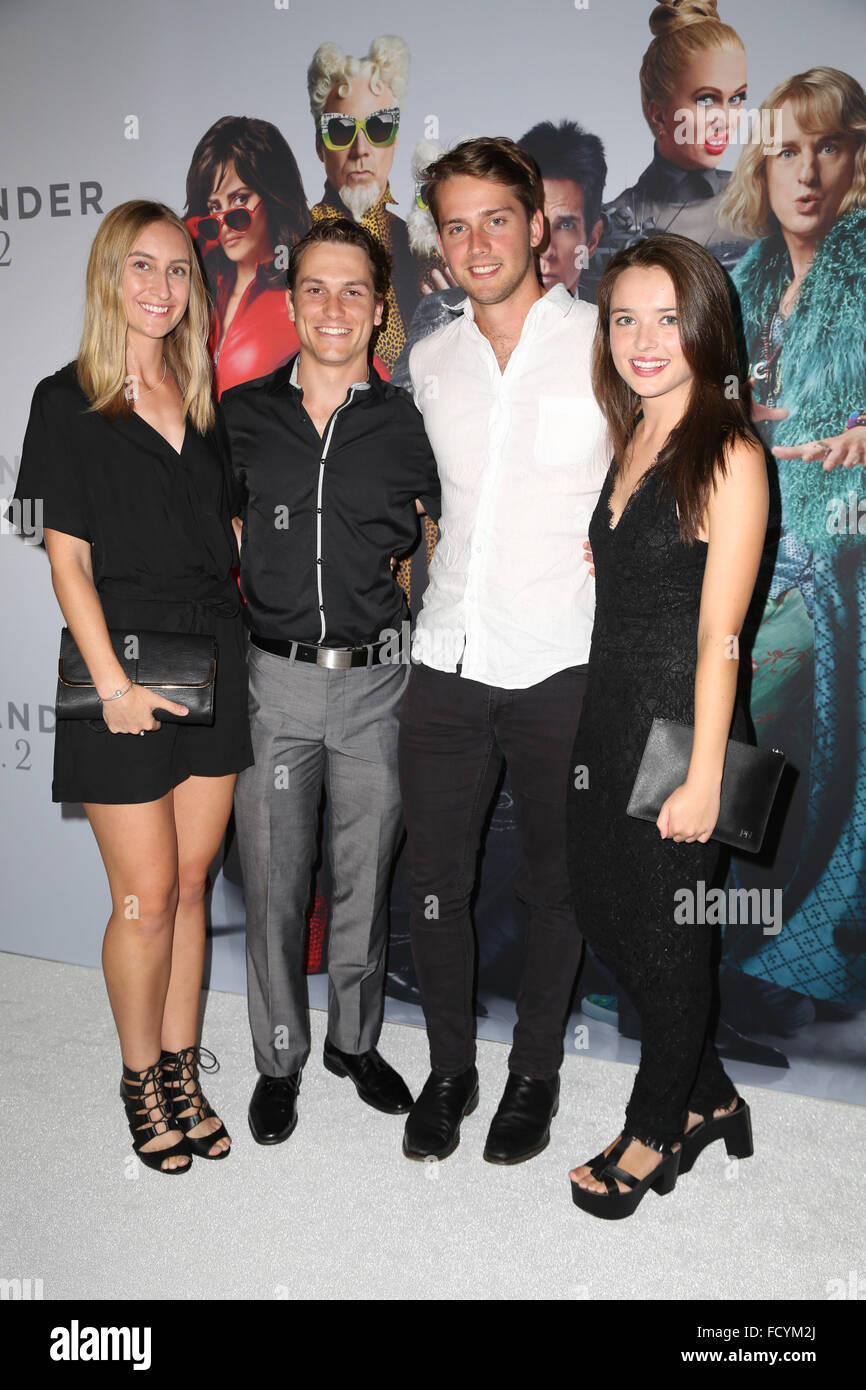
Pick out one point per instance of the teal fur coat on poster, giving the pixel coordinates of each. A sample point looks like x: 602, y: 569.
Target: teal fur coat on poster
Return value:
x: 823, y: 363
x: 821, y: 948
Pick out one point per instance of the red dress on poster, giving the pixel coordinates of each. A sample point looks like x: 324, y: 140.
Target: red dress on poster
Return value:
x: 260, y: 337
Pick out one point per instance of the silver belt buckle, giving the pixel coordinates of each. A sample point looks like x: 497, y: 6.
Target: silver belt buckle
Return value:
x: 334, y: 658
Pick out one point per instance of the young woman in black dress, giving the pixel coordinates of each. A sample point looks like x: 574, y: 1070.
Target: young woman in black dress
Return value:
x: 129, y: 460
x: 676, y: 539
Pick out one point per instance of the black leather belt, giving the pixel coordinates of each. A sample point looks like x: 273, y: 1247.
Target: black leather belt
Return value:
x: 334, y: 658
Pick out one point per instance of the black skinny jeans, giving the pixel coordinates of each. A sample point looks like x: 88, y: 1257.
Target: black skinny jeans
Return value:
x: 454, y: 736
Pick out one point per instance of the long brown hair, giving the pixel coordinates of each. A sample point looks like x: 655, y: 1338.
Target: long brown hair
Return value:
x: 101, y: 363
x: 266, y: 164
x: 694, y: 451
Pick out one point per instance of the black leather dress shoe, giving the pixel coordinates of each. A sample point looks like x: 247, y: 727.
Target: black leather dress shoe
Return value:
x: 433, y: 1127
x: 273, y: 1111
x: 520, y: 1129
x: 376, y: 1082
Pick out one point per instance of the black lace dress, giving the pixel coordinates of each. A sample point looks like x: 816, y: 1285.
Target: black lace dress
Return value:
x: 624, y: 876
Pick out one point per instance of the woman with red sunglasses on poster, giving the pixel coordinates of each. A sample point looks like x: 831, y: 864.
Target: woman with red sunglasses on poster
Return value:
x: 246, y: 206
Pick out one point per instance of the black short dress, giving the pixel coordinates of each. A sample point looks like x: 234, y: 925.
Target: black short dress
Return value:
x: 163, y: 554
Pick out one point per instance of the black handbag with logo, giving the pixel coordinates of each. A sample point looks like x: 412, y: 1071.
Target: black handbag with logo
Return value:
x: 180, y: 665
x: 750, y: 781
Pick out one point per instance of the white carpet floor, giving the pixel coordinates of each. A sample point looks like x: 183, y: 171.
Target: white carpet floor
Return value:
x: 337, y: 1212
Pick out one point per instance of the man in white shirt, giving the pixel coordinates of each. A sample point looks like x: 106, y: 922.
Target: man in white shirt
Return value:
x: 503, y: 637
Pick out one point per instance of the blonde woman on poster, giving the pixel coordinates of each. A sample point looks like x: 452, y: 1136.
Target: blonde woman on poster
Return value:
x: 693, y: 87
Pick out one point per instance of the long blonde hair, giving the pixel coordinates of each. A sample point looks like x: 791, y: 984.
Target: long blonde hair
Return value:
x: 101, y: 364
x: 822, y: 99
x: 682, y: 28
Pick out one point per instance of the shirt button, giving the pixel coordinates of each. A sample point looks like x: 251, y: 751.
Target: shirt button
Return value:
x: 318, y: 562
x: 319, y: 510
x: 321, y: 608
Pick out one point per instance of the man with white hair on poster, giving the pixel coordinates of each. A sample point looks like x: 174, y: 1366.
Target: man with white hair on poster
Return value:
x: 355, y: 103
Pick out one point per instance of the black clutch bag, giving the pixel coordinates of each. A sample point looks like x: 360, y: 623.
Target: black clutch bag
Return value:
x: 750, y: 781
x: 180, y: 665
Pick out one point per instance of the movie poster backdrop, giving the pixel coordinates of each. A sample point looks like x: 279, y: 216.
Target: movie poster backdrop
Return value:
x: 738, y: 129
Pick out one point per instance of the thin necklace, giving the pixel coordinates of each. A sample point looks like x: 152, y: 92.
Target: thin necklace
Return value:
x: 771, y: 354
x: 131, y: 390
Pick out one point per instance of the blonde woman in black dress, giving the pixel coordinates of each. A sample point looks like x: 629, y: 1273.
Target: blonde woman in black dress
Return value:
x: 128, y: 458
x: 676, y: 541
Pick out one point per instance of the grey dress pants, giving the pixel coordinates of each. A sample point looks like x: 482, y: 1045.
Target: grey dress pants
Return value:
x: 313, y: 727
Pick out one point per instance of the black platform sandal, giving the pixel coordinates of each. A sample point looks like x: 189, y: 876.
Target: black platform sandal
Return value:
x: 613, y: 1204
x: 180, y: 1073
x: 149, y: 1114
x: 735, y: 1128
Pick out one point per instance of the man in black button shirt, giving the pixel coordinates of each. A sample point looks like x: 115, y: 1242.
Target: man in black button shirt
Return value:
x: 330, y: 463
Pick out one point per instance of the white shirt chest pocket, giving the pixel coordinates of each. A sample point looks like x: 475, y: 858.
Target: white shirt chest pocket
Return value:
x: 569, y: 430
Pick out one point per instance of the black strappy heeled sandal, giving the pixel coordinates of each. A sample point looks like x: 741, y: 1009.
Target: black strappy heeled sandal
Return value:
x: 180, y: 1071
x: 149, y: 1114
x: 735, y: 1128
x: 613, y: 1204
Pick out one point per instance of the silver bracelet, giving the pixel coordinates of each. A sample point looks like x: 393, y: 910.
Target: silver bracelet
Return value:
x: 116, y: 696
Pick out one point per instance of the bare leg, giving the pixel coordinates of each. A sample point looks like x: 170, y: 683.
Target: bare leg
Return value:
x: 201, y: 810
x: 138, y: 845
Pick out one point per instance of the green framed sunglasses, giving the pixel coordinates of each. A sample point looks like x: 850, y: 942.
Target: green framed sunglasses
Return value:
x: 339, y: 131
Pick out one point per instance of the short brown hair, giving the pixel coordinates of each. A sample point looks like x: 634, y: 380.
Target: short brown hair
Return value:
x: 498, y: 159
x: 341, y: 231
